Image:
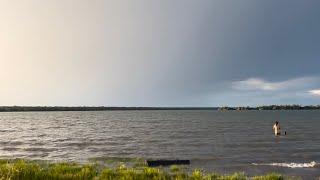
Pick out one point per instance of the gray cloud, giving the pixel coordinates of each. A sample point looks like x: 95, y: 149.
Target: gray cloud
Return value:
x: 257, y: 91
x: 287, y: 85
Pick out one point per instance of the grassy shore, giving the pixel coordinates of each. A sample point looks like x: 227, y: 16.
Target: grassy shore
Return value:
x: 21, y: 169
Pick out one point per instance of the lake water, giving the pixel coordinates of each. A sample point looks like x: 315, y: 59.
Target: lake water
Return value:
x: 217, y: 141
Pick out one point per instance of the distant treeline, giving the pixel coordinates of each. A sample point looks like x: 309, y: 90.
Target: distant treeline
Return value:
x: 273, y: 107
x: 104, y: 108
x: 91, y: 108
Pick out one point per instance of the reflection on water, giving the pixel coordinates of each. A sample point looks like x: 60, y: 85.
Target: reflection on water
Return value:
x: 213, y: 140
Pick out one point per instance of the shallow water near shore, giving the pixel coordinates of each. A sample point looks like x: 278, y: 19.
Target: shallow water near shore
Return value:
x: 216, y: 141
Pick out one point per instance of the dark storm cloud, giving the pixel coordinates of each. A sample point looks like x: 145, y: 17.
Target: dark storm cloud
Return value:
x: 272, y: 40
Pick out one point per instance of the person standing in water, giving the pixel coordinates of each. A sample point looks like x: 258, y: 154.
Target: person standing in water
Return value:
x: 276, y: 128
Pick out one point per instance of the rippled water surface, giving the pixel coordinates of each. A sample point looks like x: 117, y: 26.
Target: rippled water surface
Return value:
x: 213, y: 140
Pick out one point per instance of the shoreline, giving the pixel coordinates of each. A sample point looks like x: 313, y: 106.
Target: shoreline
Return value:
x: 28, y: 169
x: 119, y: 108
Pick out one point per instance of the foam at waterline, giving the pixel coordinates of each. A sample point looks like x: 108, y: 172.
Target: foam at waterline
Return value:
x: 312, y: 164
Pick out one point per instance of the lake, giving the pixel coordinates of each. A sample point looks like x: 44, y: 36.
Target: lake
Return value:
x: 224, y: 142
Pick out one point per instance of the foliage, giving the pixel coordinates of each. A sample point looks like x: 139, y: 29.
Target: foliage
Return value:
x: 27, y: 170
x: 271, y: 176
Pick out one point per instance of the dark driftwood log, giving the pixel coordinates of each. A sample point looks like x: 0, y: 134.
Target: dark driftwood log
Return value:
x: 153, y: 163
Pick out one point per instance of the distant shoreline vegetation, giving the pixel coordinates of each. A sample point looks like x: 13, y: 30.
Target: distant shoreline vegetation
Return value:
x: 104, y: 108
x: 272, y: 107
x: 93, y: 108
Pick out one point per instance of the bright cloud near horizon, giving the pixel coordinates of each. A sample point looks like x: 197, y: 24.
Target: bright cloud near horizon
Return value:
x: 291, y: 84
x: 159, y: 53
x: 315, y: 92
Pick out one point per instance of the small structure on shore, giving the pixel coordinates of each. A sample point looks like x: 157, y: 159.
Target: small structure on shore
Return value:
x: 154, y: 163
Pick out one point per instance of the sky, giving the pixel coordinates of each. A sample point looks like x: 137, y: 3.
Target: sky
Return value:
x: 159, y: 53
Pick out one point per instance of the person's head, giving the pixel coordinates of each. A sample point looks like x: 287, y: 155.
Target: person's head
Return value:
x: 277, y: 122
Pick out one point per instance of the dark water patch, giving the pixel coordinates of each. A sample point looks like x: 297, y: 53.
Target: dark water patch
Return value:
x: 61, y: 139
x: 11, y: 143
x: 10, y: 149
x: 7, y: 130
x: 39, y: 149
x: 42, y: 135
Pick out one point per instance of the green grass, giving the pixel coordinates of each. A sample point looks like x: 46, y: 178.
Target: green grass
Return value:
x: 36, y: 170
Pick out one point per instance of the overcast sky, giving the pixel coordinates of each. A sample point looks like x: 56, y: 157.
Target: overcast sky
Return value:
x: 159, y: 53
